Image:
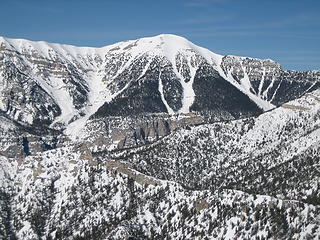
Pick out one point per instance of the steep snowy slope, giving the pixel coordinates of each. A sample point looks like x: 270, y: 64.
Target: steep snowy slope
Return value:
x: 266, y: 79
x: 62, y: 86
x: 42, y: 81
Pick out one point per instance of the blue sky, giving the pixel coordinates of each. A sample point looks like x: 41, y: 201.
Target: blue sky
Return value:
x: 287, y: 31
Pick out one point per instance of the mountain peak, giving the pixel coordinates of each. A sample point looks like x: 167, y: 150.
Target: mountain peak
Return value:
x: 165, y: 38
x: 168, y: 45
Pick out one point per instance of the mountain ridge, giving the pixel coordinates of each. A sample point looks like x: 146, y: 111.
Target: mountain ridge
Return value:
x: 75, y: 83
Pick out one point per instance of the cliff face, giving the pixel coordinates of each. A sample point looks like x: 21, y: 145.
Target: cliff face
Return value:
x: 112, y: 133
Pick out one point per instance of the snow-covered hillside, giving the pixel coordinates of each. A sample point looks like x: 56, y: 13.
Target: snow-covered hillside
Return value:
x: 255, y: 178
x: 282, y: 143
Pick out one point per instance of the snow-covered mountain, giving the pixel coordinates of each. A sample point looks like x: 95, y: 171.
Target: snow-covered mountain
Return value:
x: 155, y: 138
x: 62, y: 86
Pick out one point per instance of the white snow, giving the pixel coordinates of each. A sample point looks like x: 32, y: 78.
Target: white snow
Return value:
x: 169, y: 109
x: 6, y: 125
x: 57, y: 89
x: 262, y: 81
x: 265, y: 105
x: 98, y: 95
x: 188, y: 92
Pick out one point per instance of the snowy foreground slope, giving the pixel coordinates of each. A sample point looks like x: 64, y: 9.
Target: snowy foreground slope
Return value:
x: 253, y: 178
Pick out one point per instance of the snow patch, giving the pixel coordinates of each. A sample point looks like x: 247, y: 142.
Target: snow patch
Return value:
x: 169, y: 109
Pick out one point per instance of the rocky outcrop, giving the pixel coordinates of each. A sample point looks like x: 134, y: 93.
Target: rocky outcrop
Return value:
x: 126, y: 132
